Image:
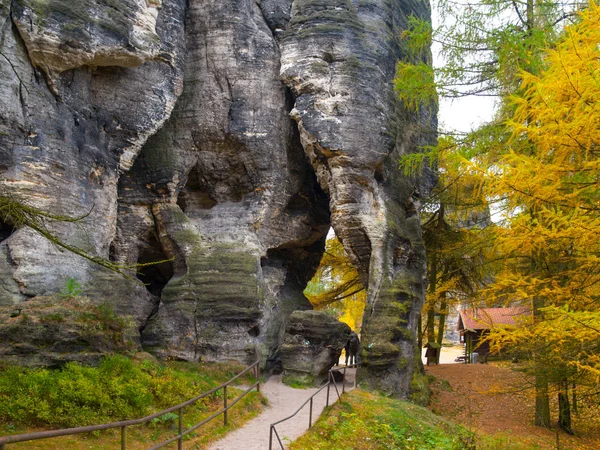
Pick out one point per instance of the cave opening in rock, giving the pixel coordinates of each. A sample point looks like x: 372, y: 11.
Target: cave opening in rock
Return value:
x: 6, y: 229
x: 155, y: 276
x: 254, y: 331
x: 194, y: 195
x: 336, y: 286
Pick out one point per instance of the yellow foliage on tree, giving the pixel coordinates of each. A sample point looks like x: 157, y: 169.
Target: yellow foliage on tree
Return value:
x: 336, y: 286
x: 549, y: 181
x: 550, y: 178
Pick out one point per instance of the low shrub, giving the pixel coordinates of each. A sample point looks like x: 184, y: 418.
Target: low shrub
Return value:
x: 118, y: 389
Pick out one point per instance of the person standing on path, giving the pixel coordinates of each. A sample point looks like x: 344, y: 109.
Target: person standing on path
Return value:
x: 352, y: 346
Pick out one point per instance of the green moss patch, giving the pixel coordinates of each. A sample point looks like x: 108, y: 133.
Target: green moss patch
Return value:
x: 53, y: 330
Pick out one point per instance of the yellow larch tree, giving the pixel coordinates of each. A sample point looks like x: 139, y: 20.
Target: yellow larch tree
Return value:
x: 456, y: 229
x: 549, y: 181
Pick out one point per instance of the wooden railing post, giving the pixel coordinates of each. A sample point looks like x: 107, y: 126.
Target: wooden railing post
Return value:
x: 180, y: 440
x: 127, y: 423
x: 270, y: 438
x: 257, y: 378
x: 123, y: 438
x: 328, y: 388
x: 310, y: 414
x: 225, y: 405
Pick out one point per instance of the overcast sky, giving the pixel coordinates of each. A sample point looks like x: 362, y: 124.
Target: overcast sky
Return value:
x: 463, y: 114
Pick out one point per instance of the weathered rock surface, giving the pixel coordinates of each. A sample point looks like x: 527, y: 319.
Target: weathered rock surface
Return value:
x: 311, y: 346
x: 49, y: 331
x: 225, y: 137
x: 339, y: 60
x: 61, y: 34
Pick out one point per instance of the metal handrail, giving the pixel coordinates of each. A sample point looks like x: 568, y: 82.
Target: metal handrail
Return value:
x: 127, y: 423
x: 330, y: 379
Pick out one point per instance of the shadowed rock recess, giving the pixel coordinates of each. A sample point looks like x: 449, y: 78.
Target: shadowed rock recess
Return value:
x: 227, y: 137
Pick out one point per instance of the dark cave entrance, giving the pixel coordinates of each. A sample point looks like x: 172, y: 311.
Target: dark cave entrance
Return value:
x: 6, y: 229
x: 155, y: 276
x: 194, y: 195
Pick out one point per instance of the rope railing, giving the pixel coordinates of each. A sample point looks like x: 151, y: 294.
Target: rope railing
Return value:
x: 309, y: 401
x: 127, y: 423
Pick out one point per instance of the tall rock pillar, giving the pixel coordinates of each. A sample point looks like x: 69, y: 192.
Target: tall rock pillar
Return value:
x: 338, y: 58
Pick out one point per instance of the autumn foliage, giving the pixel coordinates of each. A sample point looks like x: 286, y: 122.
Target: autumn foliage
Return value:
x: 536, y: 167
x: 548, y: 180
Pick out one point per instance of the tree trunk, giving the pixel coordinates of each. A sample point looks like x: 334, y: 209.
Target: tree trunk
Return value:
x: 564, y: 408
x: 430, y: 304
x: 542, y: 400
x: 441, y: 328
x: 574, y: 395
x: 420, y: 331
x: 430, y: 325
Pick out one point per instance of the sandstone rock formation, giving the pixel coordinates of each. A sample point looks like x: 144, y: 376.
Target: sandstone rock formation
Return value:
x: 49, y: 331
x: 224, y: 136
x: 312, y: 344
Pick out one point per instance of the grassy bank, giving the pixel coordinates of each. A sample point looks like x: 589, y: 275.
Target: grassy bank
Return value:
x: 120, y: 388
x: 367, y: 421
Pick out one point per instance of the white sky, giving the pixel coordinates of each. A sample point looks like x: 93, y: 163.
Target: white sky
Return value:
x: 461, y: 114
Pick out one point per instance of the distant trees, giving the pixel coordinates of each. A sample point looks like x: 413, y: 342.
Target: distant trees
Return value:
x: 456, y: 228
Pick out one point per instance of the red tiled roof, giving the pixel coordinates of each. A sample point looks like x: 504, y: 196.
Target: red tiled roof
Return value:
x: 486, y: 318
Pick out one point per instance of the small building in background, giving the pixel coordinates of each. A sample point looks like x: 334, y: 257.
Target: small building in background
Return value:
x: 475, y: 323
x: 432, y: 352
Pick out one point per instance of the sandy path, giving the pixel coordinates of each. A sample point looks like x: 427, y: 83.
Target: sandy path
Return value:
x: 283, y: 401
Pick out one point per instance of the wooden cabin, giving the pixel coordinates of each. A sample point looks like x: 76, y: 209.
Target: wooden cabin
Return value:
x: 475, y: 323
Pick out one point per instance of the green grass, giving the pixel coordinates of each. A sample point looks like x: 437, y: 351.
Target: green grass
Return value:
x: 367, y: 421
x: 120, y: 388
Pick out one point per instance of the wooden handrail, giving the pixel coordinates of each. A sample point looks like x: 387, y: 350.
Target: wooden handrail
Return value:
x: 127, y: 423
x: 330, y: 378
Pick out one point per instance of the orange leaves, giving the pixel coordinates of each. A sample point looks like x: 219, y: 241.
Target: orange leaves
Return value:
x: 549, y: 179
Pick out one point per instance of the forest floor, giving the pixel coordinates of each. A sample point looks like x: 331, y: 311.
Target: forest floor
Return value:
x: 498, y: 401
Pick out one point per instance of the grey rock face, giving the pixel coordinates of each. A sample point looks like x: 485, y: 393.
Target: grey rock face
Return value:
x: 230, y: 195
x: 49, y: 331
x: 65, y: 142
x: 312, y: 345
x: 222, y: 138
x: 338, y: 58
x: 61, y: 34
